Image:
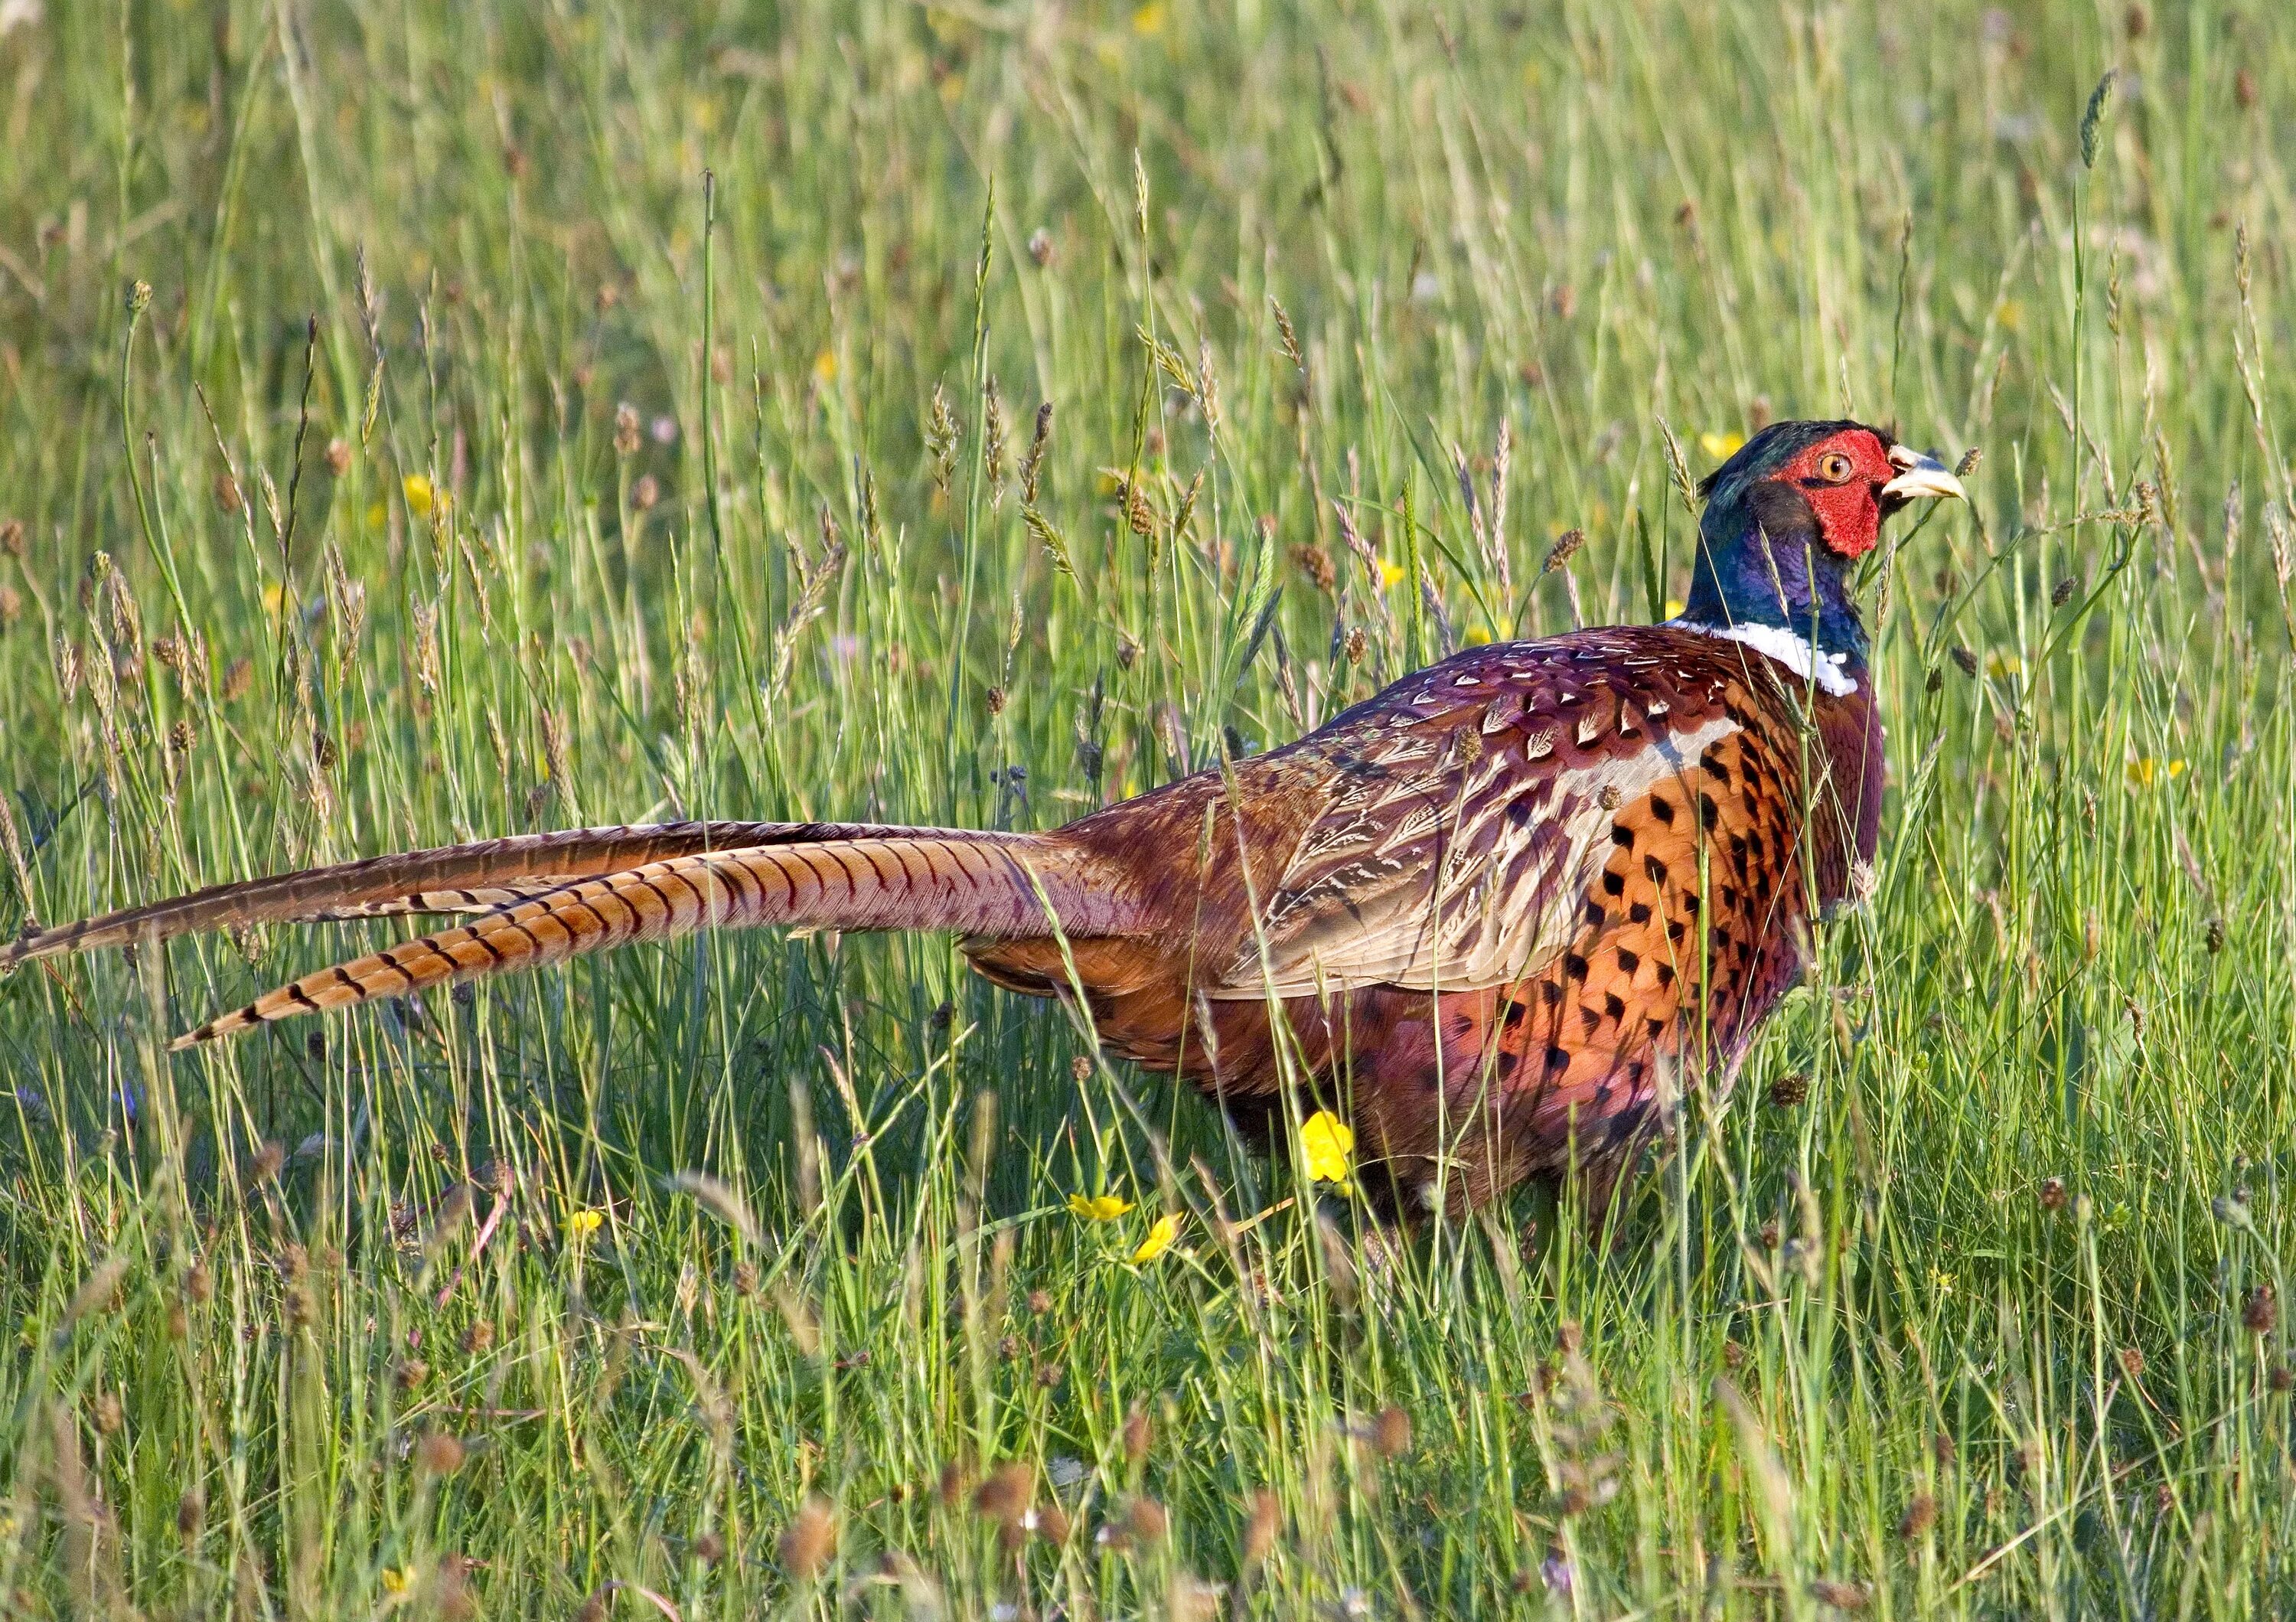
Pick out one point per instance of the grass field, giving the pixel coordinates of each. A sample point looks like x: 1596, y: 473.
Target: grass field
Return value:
x: 405, y: 441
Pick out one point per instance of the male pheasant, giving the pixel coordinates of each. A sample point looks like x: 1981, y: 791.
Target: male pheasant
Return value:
x: 1501, y: 912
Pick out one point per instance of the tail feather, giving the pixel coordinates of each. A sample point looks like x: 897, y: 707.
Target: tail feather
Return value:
x: 987, y: 886
x: 477, y: 878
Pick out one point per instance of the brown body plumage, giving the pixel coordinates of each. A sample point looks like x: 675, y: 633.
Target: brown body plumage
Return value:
x: 1503, y: 910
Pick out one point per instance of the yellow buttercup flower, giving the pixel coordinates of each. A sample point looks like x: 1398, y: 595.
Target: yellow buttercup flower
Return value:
x: 2000, y: 666
x: 272, y: 596
x: 1160, y: 1239
x: 1328, y: 1143
x: 1148, y: 21
x: 1478, y: 636
x: 1674, y: 607
x: 583, y: 1222
x: 1098, y: 1207
x: 1721, y: 446
x: 1390, y: 574
x: 394, y: 1580
x: 824, y: 366
x: 421, y: 498
x: 2143, y: 774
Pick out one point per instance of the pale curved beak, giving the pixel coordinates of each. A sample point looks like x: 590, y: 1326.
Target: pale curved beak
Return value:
x: 1919, y: 475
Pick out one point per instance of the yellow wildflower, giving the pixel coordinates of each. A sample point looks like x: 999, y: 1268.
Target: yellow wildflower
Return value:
x: 1721, y: 446
x: 1674, y: 607
x: 272, y: 596
x: 824, y: 366
x: 395, y: 1579
x: 1328, y: 1143
x: 1148, y: 21
x: 2143, y: 774
x: 1098, y: 1207
x: 583, y: 1222
x: 420, y: 496
x: 1941, y: 1280
x: 1160, y: 1239
x: 1477, y: 635
x: 1390, y: 574
x: 1999, y: 666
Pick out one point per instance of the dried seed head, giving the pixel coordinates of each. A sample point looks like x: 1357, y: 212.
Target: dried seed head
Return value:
x: 1139, y: 1435
x: 1032, y: 465
x: 438, y: 1455
x: 1004, y: 1496
x: 2053, y: 1194
x: 1356, y: 645
x: 2262, y: 1311
x: 2062, y: 591
x: 1128, y: 651
x: 811, y: 1540
x: 1790, y: 1091
x: 410, y: 1373
x: 628, y: 434
x: 1146, y: 1521
x: 2132, y: 1362
x: 1315, y: 563
x: 478, y: 1338
x: 992, y: 434
x: 267, y: 1161
x: 1391, y: 1433
x: 645, y: 493
x: 1565, y: 548
x: 106, y: 1412
x: 1841, y: 1596
x: 1267, y: 1519
x: 1919, y: 1516
x: 191, y: 1514
x: 339, y: 456
x: 227, y: 498
x: 1041, y: 251
x: 940, y: 439
x: 1966, y: 659
x: 2243, y: 88
x: 709, y: 1548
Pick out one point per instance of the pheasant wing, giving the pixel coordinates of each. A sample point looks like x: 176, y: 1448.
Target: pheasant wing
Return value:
x: 1470, y: 814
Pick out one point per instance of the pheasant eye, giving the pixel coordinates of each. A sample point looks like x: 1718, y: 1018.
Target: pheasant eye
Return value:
x: 1835, y: 468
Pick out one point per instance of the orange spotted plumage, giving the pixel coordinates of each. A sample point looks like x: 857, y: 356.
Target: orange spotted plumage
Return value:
x: 1505, y: 911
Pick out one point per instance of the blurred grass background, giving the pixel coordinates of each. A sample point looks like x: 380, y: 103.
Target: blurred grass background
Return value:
x: 428, y: 421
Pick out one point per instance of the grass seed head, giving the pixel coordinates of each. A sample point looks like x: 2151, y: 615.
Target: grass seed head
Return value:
x: 439, y: 1453
x: 1261, y: 1528
x: 810, y: 1542
x: 1919, y: 1516
x: 1146, y: 1521
x: 2261, y: 1312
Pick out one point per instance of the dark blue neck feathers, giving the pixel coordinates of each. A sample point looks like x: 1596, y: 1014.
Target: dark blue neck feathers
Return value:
x: 1762, y: 559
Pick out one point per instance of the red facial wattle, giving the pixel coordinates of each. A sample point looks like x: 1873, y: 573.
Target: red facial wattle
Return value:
x: 1841, y: 478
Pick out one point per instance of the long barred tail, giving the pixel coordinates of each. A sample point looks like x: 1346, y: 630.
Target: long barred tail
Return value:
x: 549, y: 896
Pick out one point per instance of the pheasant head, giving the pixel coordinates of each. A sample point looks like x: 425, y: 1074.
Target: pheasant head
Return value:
x: 1786, y: 520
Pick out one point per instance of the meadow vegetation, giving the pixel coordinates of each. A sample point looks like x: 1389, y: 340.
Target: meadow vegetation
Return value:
x: 429, y: 420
